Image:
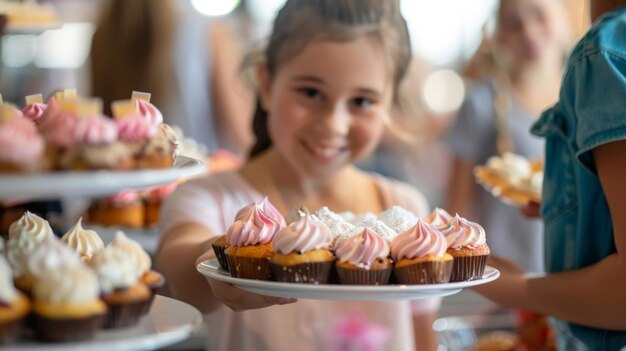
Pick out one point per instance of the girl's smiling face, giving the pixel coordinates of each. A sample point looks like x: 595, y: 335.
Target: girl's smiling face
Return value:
x: 327, y: 104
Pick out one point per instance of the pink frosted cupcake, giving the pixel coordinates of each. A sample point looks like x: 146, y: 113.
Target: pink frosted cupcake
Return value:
x: 302, y: 252
x: 152, y: 202
x: 34, y: 108
x: 250, y: 244
x: 160, y: 150
x: 439, y: 218
x: 467, y: 244
x: 123, y: 209
x: 420, y: 256
x: 363, y: 259
x: 21, y: 146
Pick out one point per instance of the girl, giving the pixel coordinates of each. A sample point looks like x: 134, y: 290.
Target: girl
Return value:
x: 522, y: 78
x: 583, y: 197
x: 327, y: 83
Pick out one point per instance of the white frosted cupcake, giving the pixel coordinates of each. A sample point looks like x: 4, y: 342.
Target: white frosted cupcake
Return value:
x: 84, y: 242
x: 398, y: 218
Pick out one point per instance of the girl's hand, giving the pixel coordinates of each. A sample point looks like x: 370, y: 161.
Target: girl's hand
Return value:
x: 531, y: 209
x: 239, y: 300
x: 510, y: 288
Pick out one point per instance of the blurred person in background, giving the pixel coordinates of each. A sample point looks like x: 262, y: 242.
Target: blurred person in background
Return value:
x: 188, y: 62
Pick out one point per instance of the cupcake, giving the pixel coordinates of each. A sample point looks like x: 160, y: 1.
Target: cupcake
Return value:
x: 21, y: 146
x: 160, y: 150
x: 14, y: 305
x: 84, y: 242
x: 125, y: 296
x: 363, y: 259
x: 420, y: 256
x: 124, y: 209
x: 250, y: 244
x: 340, y: 229
x: 467, y: 244
x: 439, y: 218
x: 34, y: 108
x: 152, y: 202
x: 153, y: 279
x: 398, y: 218
x: 379, y: 228
x: 219, y: 248
x: 67, y: 306
x: 302, y: 252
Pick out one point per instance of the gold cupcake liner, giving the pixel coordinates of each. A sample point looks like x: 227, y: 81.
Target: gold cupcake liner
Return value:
x: 364, y: 276
x: 64, y: 330
x: 310, y: 273
x: 431, y: 272
x: 468, y: 268
x: 249, y: 267
x: 220, y: 253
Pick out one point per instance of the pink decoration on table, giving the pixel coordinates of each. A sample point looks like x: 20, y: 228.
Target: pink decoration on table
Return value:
x: 355, y: 333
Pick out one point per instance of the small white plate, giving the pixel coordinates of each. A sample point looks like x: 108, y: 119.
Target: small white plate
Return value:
x: 211, y: 269
x: 93, y: 183
x: 169, y: 322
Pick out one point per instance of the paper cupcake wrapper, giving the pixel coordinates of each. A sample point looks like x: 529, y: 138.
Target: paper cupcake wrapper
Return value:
x: 249, y: 267
x: 433, y: 272
x: 10, y: 330
x: 124, y: 315
x: 468, y: 268
x: 310, y: 273
x: 154, y: 288
x: 364, y: 276
x: 220, y: 253
x: 64, y: 330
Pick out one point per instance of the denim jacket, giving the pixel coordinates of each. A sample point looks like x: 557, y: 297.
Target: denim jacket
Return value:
x: 591, y: 111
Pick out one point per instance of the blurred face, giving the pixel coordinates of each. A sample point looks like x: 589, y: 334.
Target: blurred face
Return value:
x: 326, y: 105
x: 533, y: 30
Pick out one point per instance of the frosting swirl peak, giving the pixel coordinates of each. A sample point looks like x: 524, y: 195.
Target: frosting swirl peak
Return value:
x: 303, y: 235
x: 419, y: 241
x: 362, y: 249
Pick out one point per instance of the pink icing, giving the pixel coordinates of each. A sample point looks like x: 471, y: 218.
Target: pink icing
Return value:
x: 355, y: 332
x: 253, y: 229
x: 161, y: 192
x: 362, y: 249
x: 303, y: 235
x: 122, y: 198
x: 95, y: 130
x: 34, y: 111
x: 135, y: 128
x: 19, y: 141
x: 58, y: 126
x: 463, y: 233
x: 419, y: 241
x: 267, y: 207
x: 439, y: 218
x: 150, y: 112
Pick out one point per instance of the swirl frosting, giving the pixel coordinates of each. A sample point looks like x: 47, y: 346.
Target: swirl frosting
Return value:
x: 24, y: 236
x: 50, y: 255
x: 419, y: 241
x: 95, y: 130
x: 34, y: 111
x: 135, y: 128
x: 254, y: 227
x: 8, y: 293
x: 398, y: 218
x: 149, y: 112
x: 464, y: 233
x: 19, y: 141
x: 362, y: 249
x: 439, y: 218
x: 30, y: 225
x: 268, y: 209
x: 305, y: 234
x: 132, y: 248
x: 84, y: 242
x: 115, y: 269
x: 71, y: 285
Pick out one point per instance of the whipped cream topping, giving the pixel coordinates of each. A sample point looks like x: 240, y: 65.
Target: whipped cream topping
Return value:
x: 363, y: 249
x: 8, y: 293
x: 463, y: 233
x: 24, y: 236
x: 85, y: 242
x: 132, y: 247
x: 303, y: 235
x: 398, y: 218
x: 418, y: 241
x: 380, y: 229
x: 49, y: 256
x: 70, y: 285
x: 30, y: 225
x: 356, y: 219
x: 115, y: 269
x: 254, y: 227
x: 339, y: 228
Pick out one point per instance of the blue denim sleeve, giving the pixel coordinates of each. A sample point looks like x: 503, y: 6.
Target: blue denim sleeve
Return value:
x: 599, y: 103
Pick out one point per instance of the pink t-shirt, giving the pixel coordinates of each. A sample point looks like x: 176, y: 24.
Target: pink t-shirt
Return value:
x: 213, y: 202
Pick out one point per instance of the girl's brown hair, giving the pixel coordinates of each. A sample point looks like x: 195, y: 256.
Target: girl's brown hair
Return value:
x: 301, y: 21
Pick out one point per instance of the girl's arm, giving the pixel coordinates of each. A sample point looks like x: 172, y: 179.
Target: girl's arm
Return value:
x: 594, y: 295
x: 180, y: 250
x: 461, y: 188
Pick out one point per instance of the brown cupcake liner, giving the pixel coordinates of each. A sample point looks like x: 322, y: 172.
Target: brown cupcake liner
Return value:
x: 468, y: 268
x: 249, y: 267
x: 64, y: 330
x: 124, y: 315
x: 220, y: 253
x: 10, y: 330
x: 364, y: 276
x: 432, y: 272
x: 309, y: 273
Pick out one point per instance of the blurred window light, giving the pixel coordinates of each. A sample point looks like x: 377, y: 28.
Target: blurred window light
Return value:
x: 443, y: 91
x: 443, y: 31
x: 263, y: 13
x: 214, y: 8
x: 18, y: 50
x: 67, y: 47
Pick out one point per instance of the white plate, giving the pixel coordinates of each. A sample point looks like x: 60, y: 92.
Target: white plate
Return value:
x: 169, y: 322
x: 93, y: 183
x: 211, y: 269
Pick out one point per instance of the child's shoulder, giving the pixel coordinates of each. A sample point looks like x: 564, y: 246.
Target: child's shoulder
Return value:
x: 396, y: 192
x: 607, y: 34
